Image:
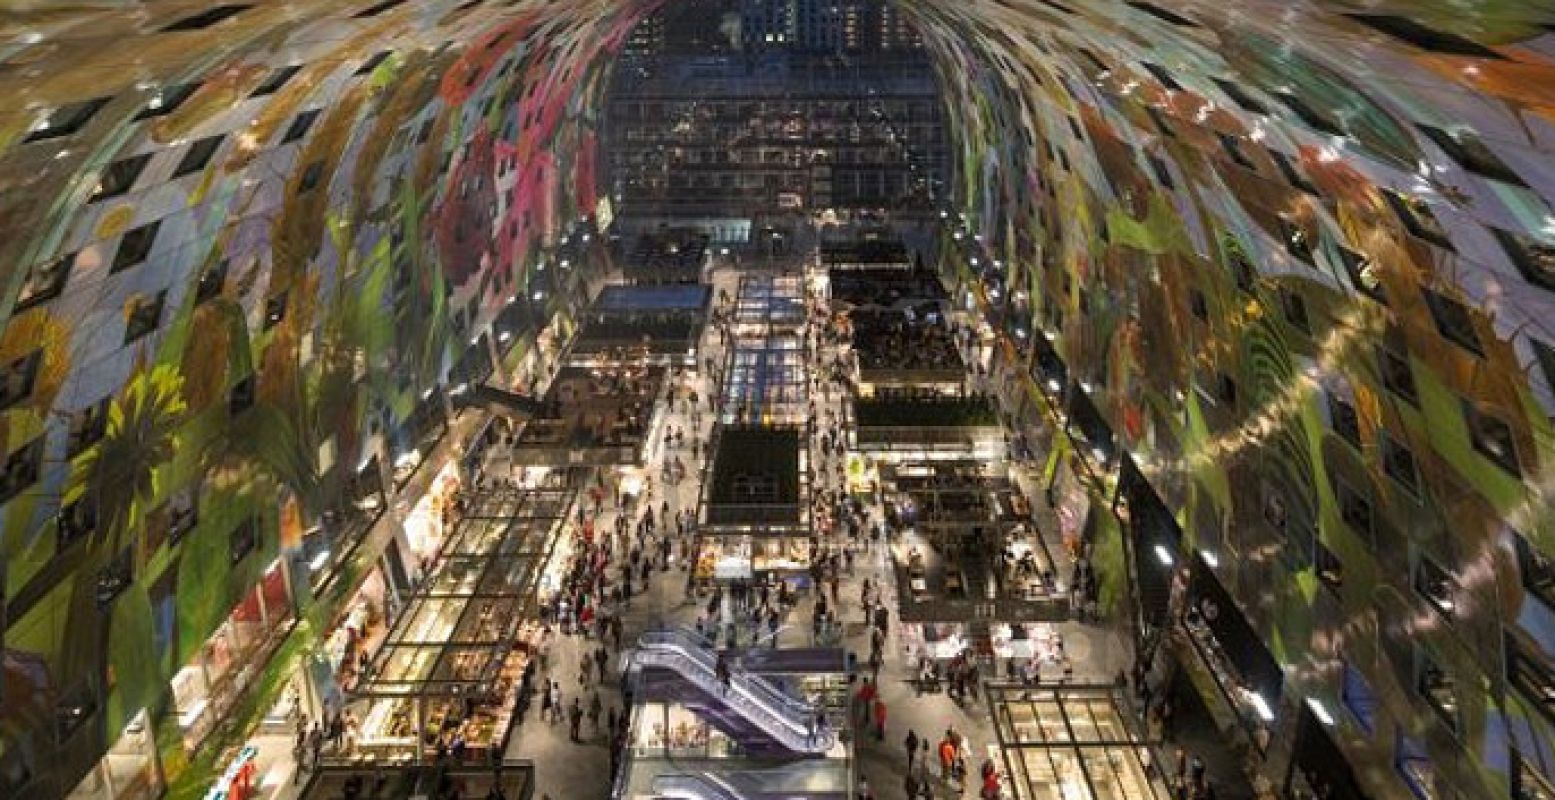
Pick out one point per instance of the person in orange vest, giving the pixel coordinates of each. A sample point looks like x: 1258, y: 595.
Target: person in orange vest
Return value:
x: 947, y: 754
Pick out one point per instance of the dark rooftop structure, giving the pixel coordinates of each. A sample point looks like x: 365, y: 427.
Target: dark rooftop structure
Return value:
x: 668, y: 255
x: 755, y: 477
x: 664, y: 319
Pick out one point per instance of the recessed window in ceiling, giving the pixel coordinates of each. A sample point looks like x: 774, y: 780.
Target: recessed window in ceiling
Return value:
x: 207, y: 18
x: 1429, y: 39
x: 66, y: 119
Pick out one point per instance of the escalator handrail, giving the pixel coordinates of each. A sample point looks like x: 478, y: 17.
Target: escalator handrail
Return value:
x: 775, y: 720
x: 694, y: 786
x: 701, y: 648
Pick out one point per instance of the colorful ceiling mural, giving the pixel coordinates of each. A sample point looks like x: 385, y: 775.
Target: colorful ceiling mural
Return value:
x: 1303, y: 252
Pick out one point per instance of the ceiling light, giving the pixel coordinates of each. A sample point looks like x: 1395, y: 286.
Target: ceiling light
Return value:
x: 1262, y: 707
x: 1320, y: 711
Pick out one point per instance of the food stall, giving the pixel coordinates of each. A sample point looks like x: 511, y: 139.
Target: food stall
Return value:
x: 446, y: 675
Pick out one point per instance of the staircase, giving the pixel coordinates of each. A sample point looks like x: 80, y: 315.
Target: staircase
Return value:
x: 786, y: 719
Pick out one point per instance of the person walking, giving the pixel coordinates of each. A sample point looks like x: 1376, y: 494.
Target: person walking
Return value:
x: 879, y: 719
x: 947, y: 755
x: 575, y: 720
x: 595, y: 709
x: 911, y: 743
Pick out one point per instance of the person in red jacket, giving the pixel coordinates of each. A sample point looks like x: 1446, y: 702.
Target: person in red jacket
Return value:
x: 990, y: 781
x: 879, y: 719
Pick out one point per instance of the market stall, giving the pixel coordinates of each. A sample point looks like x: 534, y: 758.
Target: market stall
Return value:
x: 445, y: 677
x: 1070, y: 743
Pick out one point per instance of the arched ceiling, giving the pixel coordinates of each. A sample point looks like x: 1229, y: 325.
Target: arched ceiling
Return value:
x: 317, y: 202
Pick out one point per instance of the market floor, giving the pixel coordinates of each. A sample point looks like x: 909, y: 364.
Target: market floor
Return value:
x: 568, y: 769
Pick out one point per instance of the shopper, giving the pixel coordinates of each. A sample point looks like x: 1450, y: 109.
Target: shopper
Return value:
x: 595, y: 709
x: 879, y: 719
x: 911, y: 743
x: 575, y: 719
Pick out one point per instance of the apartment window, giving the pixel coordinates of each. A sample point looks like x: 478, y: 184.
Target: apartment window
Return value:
x: 1453, y: 321
x: 45, y: 281
x: 76, y: 706
x: 1413, y: 764
x: 1341, y: 414
x: 372, y: 63
x: 1470, y: 153
x: 17, y: 378
x: 1297, y: 241
x: 1295, y: 310
x: 1429, y: 39
x: 241, y: 398
x: 142, y: 315
x: 197, y: 156
x: 1242, y: 270
x: 1545, y: 355
x: 21, y: 469
x: 75, y: 522
x: 277, y: 78
x: 1225, y: 389
x: 179, y: 515
x: 1240, y: 96
x: 211, y: 282
x: 1329, y: 568
x: 135, y: 247
x: 1162, y: 173
x: 1233, y: 149
x: 207, y: 18
x: 375, y: 10
x: 1418, y: 218
x: 1309, y: 115
x: 1528, y: 783
x: 1396, y: 375
x: 1356, y: 694
x: 1163, y: 14
x: 1399, y: 463
x: 114, y: 578
x: 119, y: 177
x: 311, y: 177
x: 66, y: 120
x: 1437, y: 687
x: 1354, y: 508
x: 1534, y: 259
x: 275, y: 310
x: 1161, y: 74
x: 300, y: 125
x: 1537, y: 569
x: 1530, y: 673
x: 1436, y: 586
x: 1363, y: 274
x: 1292, y: 176
x: 244, y: 539
x: 166, y: 100
x: 87, y: 427
x: 1491, y: 437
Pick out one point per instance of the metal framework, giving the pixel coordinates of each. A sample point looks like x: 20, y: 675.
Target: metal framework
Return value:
x: 1070, y: 742
x: 459, y: 626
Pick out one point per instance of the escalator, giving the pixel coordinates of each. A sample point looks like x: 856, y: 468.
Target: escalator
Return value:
x: 758, y: 701
x: 694, y: 786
